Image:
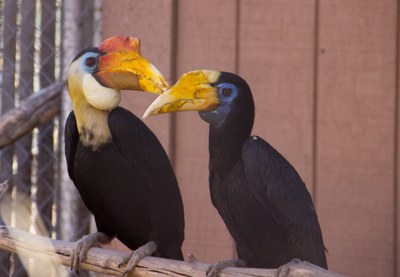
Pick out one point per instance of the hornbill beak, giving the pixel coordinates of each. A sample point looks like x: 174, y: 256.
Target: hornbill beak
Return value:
x: 122, y: 67
x: 194, y: 91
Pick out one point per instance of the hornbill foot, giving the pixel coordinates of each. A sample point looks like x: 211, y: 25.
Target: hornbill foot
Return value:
x: 283, y: 270
x: 82, y: 247
x: 132, y: 260
x: 214, y: 269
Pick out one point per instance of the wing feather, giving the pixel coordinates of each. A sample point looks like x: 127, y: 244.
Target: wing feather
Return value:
x: 71, y: 137
x: 138, y: 143
x: 275, y: 182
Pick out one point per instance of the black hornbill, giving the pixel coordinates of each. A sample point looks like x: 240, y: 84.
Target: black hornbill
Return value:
x: 259, y: 195
x: 117, y: 164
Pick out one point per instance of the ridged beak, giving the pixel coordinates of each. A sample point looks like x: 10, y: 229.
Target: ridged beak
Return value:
x: 122, y: 67
x: 194, y: 91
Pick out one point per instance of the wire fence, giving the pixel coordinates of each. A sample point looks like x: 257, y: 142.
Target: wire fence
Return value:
x: 34, y: 52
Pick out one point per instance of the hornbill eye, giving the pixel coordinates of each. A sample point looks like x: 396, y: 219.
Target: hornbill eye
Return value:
x: 91, y: 62
x: 226, y: 92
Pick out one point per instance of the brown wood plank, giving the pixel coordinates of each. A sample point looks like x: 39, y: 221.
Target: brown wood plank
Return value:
x: 355, y: 131
x: 206, y: 40
x: 151, y: 22
x: 277, y: 60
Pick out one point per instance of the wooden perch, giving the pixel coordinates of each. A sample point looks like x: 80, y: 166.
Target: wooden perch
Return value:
x: 107, y: 261
x: 35, y: 110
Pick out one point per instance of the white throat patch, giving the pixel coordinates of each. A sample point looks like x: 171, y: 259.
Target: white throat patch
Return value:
x: 102, y: 98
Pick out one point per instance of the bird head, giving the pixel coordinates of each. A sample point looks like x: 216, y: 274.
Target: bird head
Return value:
x: 218, y: 96
x: 97, y: 74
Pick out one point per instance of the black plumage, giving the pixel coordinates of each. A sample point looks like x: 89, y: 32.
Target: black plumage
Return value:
x: 259, y: 195
x: 117, y: 164
x: 128, y: 184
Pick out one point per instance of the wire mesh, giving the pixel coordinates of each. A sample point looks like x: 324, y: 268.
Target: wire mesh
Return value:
x: 32, y: 56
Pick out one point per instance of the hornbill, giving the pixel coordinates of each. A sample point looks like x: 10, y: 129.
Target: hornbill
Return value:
x: 258, y: 193
x: 117, y: 164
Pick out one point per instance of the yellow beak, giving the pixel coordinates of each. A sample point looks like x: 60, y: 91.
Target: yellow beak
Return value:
x: 193, y: 92
x: 122, y: 67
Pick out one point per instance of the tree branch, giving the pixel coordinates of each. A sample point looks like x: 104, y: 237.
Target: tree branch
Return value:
x: 107, y: 261
x: 35, y: 110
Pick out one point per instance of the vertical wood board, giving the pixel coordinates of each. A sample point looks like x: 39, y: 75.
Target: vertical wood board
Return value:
x: 277, y: 60
x: 356, y: 89
x: 206, y: 40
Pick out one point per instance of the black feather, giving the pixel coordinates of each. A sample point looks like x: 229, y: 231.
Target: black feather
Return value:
x: 128, y: 184
x: 259, y: 195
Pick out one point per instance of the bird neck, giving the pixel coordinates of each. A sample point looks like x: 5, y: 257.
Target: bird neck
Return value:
x: 225, y: 145
x: 92, y: 125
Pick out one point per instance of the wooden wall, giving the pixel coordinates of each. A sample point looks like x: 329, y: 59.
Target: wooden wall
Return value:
x: 325, y: 79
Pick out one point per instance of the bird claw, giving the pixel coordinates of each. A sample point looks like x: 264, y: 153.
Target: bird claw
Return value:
x: 215, y: 269
x: 81, y: 248
x: 134, y: 258
x: 283, y: 270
